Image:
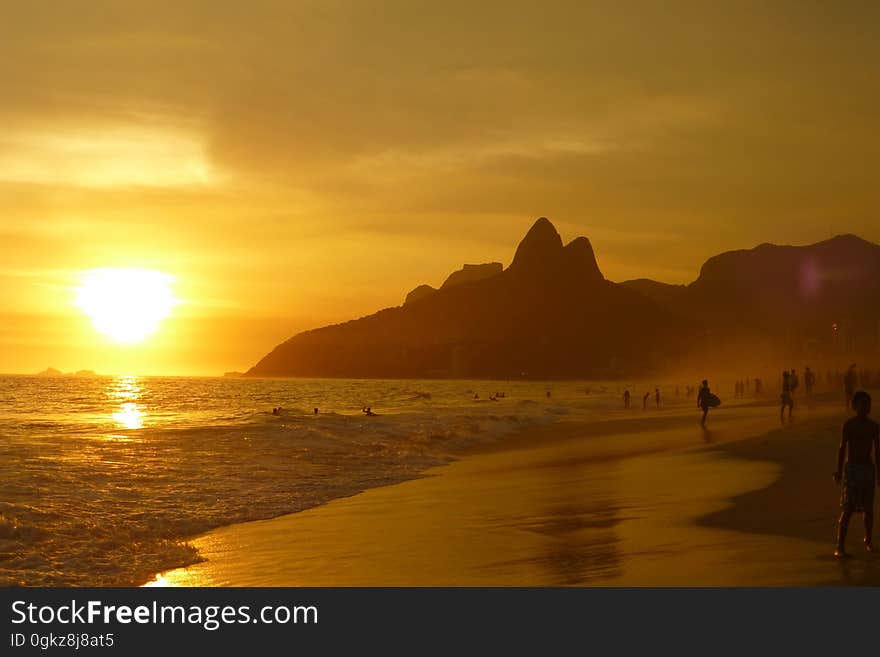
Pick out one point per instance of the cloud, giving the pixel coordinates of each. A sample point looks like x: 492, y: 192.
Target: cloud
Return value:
x: 257, y: 146
x: 110, y: 156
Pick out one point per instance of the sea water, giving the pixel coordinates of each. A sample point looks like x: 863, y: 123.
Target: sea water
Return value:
x: 102, y: 479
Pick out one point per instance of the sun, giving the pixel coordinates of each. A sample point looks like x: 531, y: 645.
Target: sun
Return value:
x: 126, y: 305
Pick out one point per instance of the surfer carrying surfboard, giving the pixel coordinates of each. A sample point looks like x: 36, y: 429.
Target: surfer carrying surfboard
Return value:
x: 706, y: 400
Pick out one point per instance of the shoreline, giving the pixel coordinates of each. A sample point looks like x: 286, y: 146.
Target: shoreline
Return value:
x: 802, y: 503
x: 641, y: 503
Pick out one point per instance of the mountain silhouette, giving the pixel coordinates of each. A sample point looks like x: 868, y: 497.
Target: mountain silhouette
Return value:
x: 777, y: 291
x: 464, y: 275
x: 470, y: 273
x: 550, y: 314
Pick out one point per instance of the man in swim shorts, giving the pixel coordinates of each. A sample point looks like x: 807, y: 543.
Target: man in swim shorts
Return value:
x: 858, y: 461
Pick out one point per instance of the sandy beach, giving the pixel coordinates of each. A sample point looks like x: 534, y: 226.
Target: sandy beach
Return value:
x: 624, y: 502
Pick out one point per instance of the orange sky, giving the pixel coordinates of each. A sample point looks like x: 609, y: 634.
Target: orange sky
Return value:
x: 298, y: 163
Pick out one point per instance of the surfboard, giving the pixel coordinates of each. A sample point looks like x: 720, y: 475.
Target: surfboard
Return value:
x: 713, y: 400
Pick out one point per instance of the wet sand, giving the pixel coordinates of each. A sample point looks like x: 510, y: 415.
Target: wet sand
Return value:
x: 629, y: 501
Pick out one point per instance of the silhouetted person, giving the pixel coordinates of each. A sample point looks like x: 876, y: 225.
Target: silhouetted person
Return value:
x: 849, y: 384
x: 657, y: 396
x: 809, y: 385
x: 786, y: 397
x: 645, y: 399
x: 316, y: 410
x: 626, y: 398
x: 703, y: 397
x: 860, y: 450
x: 476, y: 395
x: 369, y: 412
x: 548, y: 394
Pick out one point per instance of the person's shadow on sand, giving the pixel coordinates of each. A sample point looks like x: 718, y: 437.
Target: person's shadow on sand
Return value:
x: 859, y: 571
x: 708, y: 436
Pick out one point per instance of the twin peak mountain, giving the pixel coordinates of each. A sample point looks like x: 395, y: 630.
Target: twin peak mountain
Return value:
x: 541, y: 255
x: 552, y: 314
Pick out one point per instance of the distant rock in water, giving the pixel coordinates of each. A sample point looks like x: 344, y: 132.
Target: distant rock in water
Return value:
x: 550, y: 314
x: 50, y: 371
x: 470, y: 273
x: 418, y: 293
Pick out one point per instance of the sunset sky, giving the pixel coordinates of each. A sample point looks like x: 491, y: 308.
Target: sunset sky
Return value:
x: 292, y: 164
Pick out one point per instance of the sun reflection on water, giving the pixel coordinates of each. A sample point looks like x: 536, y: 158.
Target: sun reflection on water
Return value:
x: 126, y: 391
x: 159, y: 581
x: 129, y: 416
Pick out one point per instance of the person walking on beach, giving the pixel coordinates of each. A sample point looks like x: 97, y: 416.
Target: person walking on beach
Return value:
x: 657, y: 396
x: 645, y: 401
x: 786, y: 397
x: 809, y: 382
x: 703, y: 400
x: 858, y: 464
x: 626, y: 398
x: 849, y: 384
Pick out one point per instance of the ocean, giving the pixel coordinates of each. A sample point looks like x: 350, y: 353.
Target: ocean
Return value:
x: 102, y: 479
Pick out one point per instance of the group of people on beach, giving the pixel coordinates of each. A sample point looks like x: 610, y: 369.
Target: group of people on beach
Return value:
x: 858, y: 457
x: 790, y: 382
x: 645, y: 398
x: 850, y: 380
x: 744, y: 386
